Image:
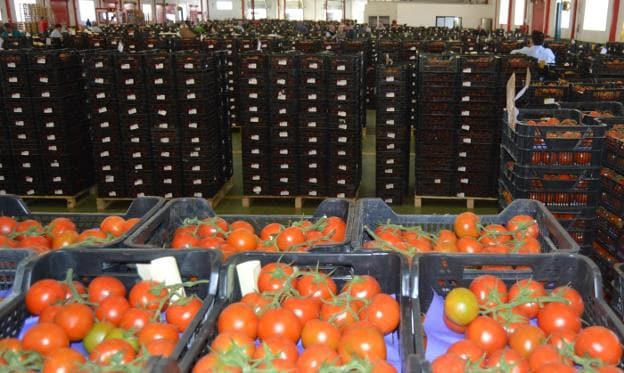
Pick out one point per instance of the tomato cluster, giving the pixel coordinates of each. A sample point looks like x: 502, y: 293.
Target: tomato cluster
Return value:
x: 523, y: 329
x: 59, y: 233
x: 116, y: 328
x: 343, y: 329
x: 519, y: 235
x: 240, y: 236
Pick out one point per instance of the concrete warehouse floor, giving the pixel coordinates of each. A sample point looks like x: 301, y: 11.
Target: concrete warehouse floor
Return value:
x: 232, y: 202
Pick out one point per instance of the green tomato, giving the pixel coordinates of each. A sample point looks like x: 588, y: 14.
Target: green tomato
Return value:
x: 461, y: 306
x: 96, y: 335
x: 119, y: 333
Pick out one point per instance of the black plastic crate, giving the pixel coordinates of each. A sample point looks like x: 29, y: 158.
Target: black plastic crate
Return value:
x: 53, y: 59
x: 596, y: 92
x: 479, y: 63
x: 13, y: 60
x: 439, y: 273
x: 55, y: 77
x: 561, y: 159
x: 438, y: 63
x: 12, y: 271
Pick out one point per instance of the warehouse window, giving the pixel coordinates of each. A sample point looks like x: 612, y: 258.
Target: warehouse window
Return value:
x: 225, y: 5
x: 294, y: 14
x: 147, y: 11
x: 519, y: 12
x: 87, y: 10
x: 595, y: 15
x: 565, y: 18
x: 503, y: 12
x: 20, y: 8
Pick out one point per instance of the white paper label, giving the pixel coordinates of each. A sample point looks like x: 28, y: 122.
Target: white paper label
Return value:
x: 284, y: 166
x: 99, y: 80
x: 342, y: 139
x: 548, y: 101
x: 312, y: 96
x: 465, y: 113
x: 253, y: 81
x: 21, y: 136
x: 159, y: 66
x: 342, y: 97
x: 13, y: 79
x: 389, y: 94
x: 281, y: 81
x: 467, y: 84
x: 341, y: 83
x: 437, y: 181
x: 192, y: 111
x: 283, y: 151
x: 132, y: 111
x: 282, y: 111
x: 463, y: 181
x: 461, y: 169
x: 283, y: 134
x: 16, y: 95
x: 135, y: 140
x: 136, y: 155
x: 19, y: 123
x: 190, y: 96
x: 313, y: 65
x: 43, y: 79
x: 102, y: 125
x: 162, y: 112
x: 129, y: 81
x: 390, y: 146
x: 467, y: 70
x: 188, y: 65
x: 190, y: 81
x: 11, y: 64
x: 312, y: 152
x: 465, y: 127
x: 131, y: 97
x: 104, y: 154
x: 17, y: 110
x: 252, y: 66
x: 311, y: 80
x: 158, y: 81
x: 462, y: 154
x: 466, y: 99
x: 100, y: 95
x: 125, y: 66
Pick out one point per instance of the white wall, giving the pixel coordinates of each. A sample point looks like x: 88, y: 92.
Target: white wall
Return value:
x: 381, y: 8
x: 424, y: 14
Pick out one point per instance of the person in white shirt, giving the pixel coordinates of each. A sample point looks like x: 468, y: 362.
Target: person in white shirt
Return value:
x: 537, y: 50
x: 56, y: 33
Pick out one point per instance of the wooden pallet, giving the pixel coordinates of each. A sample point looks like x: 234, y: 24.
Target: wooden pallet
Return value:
x: 72, y: 201
x: 470, y: 201
x: 103, y: 203
x: 246, y: 200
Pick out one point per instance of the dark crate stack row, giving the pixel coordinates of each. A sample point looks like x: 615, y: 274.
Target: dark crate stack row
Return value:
x: 46, y: 124
x: 562, y: 171
x: 393, y: 132
x: 159, y: 123
x: 301, y: 118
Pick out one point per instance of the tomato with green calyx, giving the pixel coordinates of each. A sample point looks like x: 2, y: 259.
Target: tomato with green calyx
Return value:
x: 461, y: 306
x: 96, y: 335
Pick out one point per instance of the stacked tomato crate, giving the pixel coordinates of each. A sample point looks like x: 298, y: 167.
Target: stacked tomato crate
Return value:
x: 9, y: 62
x: 110, y: 173
x: 6, y: 163
x: 393, y: 132
x: 313, y: 129
x: 437, y: 125
x: 554, y: 156
x: 230, y: 46
x: 283, y: 110
x: 478, y: 134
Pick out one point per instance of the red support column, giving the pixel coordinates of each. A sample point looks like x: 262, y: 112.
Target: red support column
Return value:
x: 242, y: 8
x: 344, y: 10
x: 547, y: 17
x: 573, y: 30
x: 326, y: 14
x: 509, y: 20
x: 75, y: 13
x: 8, y: 9
x: 253, y: 10
x: 614, y: 20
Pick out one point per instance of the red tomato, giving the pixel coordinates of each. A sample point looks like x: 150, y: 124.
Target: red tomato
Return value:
x: 340, y: 312
x: 76, y: 320
x: 573, y: 297
x: 157, y: 330
x: 273, y: 277
x: 599, y: 343
x: 528, y: 245
x: 336, y: 229
x: 448, y: 363
x: 242, y: 240
x: 238, y: 317
x: 67, y: 238
x: 210, y: 242
x: 304, y: 309
x: 313, y: 357
x: 469, y: 245
x: 95, y: 235
x: 495, y: 235
x: 129, y: 224
x: 135, y: 319
x: 105, y: 286
x: 523, y: 226
x: 529, y: 288
x: 555, y: 317
x: 49, y: 313
x: 555, y: 367
x: 363, y: 287
x: 42, y: 294
x: 487, y: 334
x: 211, y: 363
x: 7, y: 225
x: 256, y: 301
x: 485, y: 286
x: 467, y: 350
x: 60, y: 225
x: 366, y: 343
x: 45, y: 338
x: 447, y: 242
x: 562, y: 339
x: 508, y: 358
x: 316, y: 285
x: 63, y: 360
x: 290, y: 237
x: 142, y: 295
x: 29, y: 227
x: 466, y: 225
x: 182, y: 312
x: 241, y: 224
x: 279, y: 322
x: 319, y: 332
x: 184, y: 241
x: 383, y: 312
x: 118, y: 348
x: 459, y: 329
x: 112, y: 309
x: 525, y: 339
x: 37, y: 243
x: 160, y: 347
x: 543, y: 355
x: 270, y: 231
x: 226, y: 341
x: 280, y: 347
x: 113, y: 225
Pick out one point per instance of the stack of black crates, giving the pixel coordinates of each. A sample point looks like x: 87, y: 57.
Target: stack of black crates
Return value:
x: 393, y: 132
x: 436, y: 128
x: 478, y: 134
x: 48, y: 130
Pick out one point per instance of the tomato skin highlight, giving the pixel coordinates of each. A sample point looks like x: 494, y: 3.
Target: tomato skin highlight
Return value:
x: 461, y: 306
x: 45, y: 338
x: 486, y: 333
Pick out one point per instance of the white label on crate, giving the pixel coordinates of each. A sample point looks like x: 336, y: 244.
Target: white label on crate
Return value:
x: 341, y: 181
x: 100, y: 95
x: 52, y: 148
x: 165, y: 154
x: 467, y: 84
x: 284, y: 193
x: 342, y: 167
x: 313, y: 165
x: 284, y: 166
x: 391, y: 135
x: 461, y: 195
x: 311, y: 80
x: 104, y: 154
x: 132, y: 111
x: 109, y: 178
x: 283, y: 179
x: 129, y: 81
x: 283, y: 124
x: 194, y: 154
x: 312, y: 96
x: 192, y: 125
x: 99, y: 80
x: 190, y: 96
x: 390, y: 161
x: 390, y: 122
x: 389, y: 94
x: 165, y: 140
x: 388, y: 171
x: 253, y: 95
x: 342, y: 139
x: 158, y: 81
x: 13, y: 79
x: 281, y: 96
x: 131, y: 97
x: 255, y: 165
x: 437, y: 181
x: 341, y: 83
x: 48, y: 110
x: 341, y: 67
x: 134, y: 126
x: 467, y: 70
x: 19, y: 123
x: 195, y: 140
x: 106, y: 140
x: 312, y: 109
x: 188, y: 66
x: 252, y: 66
x: 311, y: 124
x: 190, y: 81
x: 548, y: 101
x: 159, y: 66
x: 138, y: 182
x: 192, y: 111
x: 390, y: 79
x: 466, y: 99
x: 136, y: 155
x: 138, y: 167
x: 55, y: 164
x: 467, y: 140
x: 255, y: 151
x: 465, y: 113
x: 463, y: 180
x: 282, y: 111
x: 16, y: 95
x: 283, y: 134
x: 162, y: 112
x: 11, y: 65
x: 25, y: 152
x: 57, y: 179
x: 390, y: 109
x: 389, y: 186
x: 125, y: 66
x: 29, y: 179
x: 106, y: 167
x: 342, y: 152
x: 342, y: 97
x: 254, y: 119
x: 30, y: 192
x: 312, y: 152
x: 21, y: 136
x: 255, y: 137
x: 168, y: 181
x: 255, y: 178
x: 461, y: 169
x: 342, y: 114
x: 17, y: 110
x: 41, y: 60
x: 253, y: 81
x: 43, y: 79
x: 283, y: 151
x: 163, y: 126
x: 313, y: 65
x: 465, y: 127
x: 342, y: 126
x: 161, y: 97
x: 281, y: 81
x: 462, y: 154
x: 390, y: 146
x: 26, y: 165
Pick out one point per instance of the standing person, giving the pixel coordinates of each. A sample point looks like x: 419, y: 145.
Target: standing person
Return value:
x: 88, y: 23
x: 10, y: 31
x: 537, y: 50
x: 56, y: 33
x: 42, y: 26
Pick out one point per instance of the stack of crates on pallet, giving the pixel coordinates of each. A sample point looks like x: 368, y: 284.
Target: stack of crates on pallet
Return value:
x: 478, y: 135
x: 601, y: 91
x: 393, y: 132
x: 7, y: 178
x: 47, y: 126
x: 607, y: 66
x: 110, y: 171
x: 283, y: 123
x: 230, y: 46
x: 437, y: 125
x: 554, y: 156
x: 313, y: 130
x: 346, y: 118
x: 227, y: 165
x: 544, y: 94
x: 253, y: 117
